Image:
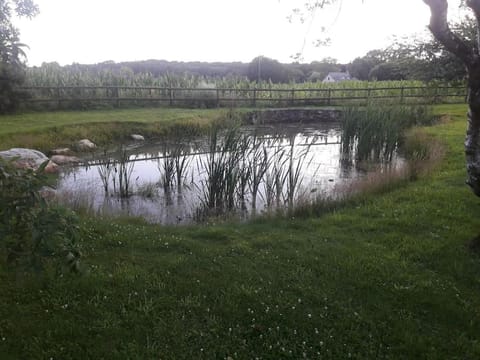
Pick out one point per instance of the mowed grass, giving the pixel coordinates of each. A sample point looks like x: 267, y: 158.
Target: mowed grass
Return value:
x: 37, y: 121
x: 392, y: 276
x: 46, y: 130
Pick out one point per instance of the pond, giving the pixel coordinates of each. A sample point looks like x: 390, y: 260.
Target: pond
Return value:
x: 241, y: 171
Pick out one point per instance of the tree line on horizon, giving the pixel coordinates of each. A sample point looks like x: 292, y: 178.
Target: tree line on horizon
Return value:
x: 418, y: 58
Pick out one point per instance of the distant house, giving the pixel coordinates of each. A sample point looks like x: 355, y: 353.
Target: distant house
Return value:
x: 337, y: 77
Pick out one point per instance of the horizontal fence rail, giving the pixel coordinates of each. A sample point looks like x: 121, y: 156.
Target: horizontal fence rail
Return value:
x: 62, y: 97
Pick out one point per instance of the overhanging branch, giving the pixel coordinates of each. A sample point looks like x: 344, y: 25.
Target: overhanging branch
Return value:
x: 474, y: 5
x: 442, y: 32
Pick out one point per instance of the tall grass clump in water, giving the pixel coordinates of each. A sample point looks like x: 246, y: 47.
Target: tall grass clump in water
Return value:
x: 166, y: 167
x: 374, y: 132
x: 125, y: 169
x: 181, y: 161
x: 259, y: 165
x: 241, y: 167
x: 224, y: 167
x: 293, y: 175
x: 117, y: 172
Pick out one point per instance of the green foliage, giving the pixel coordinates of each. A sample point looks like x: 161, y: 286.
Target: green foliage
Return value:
x: 420, y: 57
x: 11, y: 52
x: 33, y: 232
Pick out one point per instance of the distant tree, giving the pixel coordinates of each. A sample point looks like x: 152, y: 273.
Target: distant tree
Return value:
x: 387, y: 71
x: 361, y: 67
x: 295, y: 73
x: 12, y: 56
x: 266, y: 69
x: 320, y: 69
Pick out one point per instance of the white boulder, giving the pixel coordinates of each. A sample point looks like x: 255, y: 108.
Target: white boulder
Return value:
x: 48, y: 193
x: 137, y: 137
x: 62, y: 151
x: 85, y: 145
x: 28, y: 159
x: 64, y: 160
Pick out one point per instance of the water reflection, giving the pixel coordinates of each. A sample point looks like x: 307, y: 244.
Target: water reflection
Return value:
x: 246, y: 171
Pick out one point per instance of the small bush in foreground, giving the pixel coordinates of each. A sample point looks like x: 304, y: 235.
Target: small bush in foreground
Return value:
x: 33, y: 232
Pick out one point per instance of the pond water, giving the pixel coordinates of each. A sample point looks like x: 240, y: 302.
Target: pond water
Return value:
x: 244, y: 171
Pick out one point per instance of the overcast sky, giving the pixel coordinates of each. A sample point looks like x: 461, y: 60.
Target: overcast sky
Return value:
x: 92, y: 31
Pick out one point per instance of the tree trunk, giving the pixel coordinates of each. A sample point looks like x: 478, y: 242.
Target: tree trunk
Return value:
x: 471, y: 59
x: 472, y: 139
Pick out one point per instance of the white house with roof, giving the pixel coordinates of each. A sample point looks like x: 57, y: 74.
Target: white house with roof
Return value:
x: 337, y: 77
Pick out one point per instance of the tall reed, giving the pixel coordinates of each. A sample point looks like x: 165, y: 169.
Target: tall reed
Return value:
x: 166, y: 167
x: 105, y: 172
x: 259, y: 166
x: 374, y: 132
x: 225, y: 168
x: 125, y: 170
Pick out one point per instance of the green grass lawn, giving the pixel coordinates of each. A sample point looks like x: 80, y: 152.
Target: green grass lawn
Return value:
x: 388, y: 277
x: 46, y: 130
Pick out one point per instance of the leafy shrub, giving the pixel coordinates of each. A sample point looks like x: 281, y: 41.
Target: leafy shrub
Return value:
x: 32, y: 231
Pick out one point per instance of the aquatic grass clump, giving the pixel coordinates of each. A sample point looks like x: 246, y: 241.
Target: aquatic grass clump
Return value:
x: 260, y: 162
x: 374, y: 132
x: 166, y: 167
x: 225, y: 168
x: 116, y: 172
x: 243, y: 168
x: 125, y: 170
x: 182, y: 162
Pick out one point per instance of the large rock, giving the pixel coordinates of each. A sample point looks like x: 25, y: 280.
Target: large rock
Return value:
x: 85, y: 145
x: 29, y: 159
x: 137, y: 137
x: 62, y: 151
x: 48, y: 193
x: 64, y: 160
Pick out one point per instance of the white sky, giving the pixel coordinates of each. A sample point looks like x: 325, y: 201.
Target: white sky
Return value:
x: 92, y: 31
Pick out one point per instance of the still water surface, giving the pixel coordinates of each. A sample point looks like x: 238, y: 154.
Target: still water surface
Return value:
x: 306, y: 157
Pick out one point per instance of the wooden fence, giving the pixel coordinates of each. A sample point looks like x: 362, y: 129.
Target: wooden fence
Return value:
x: 118, y: 96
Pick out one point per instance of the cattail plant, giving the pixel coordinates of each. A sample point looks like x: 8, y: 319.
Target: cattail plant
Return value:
x: 125, y: 169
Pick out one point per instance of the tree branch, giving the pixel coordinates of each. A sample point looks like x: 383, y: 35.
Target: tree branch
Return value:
x: 442, y: 32
x: 474, y: 5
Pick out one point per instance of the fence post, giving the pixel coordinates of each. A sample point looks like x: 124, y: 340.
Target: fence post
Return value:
x: 170, y: 96
x: 117, y: 95
x: 57, y: 93
x: 329, y: 94
x: 254, y: 97
x: 402, y: 99
x: 293, y: 98
x: 218, y: 97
